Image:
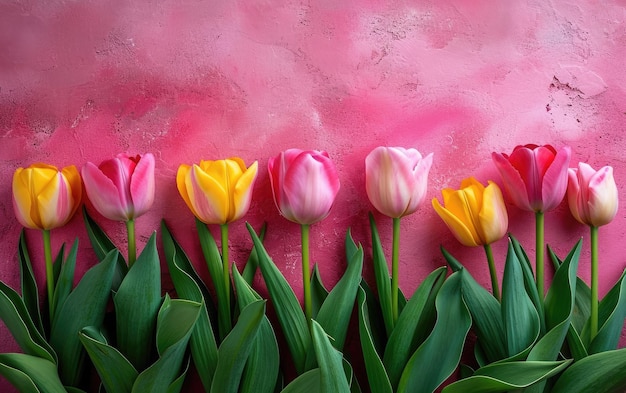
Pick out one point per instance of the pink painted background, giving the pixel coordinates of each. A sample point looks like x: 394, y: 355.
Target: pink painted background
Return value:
x: 191, y: 80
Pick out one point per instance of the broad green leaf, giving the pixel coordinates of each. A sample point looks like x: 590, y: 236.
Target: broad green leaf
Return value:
x: 116, y: 372
x: 30, y: 293
x: 376, y: 373
x: 611, y: 314
x: 65, y: 280
x: 519, y: 315
x: 507, y: 376
x: 288, y: 309
x: 376, y: 324
x: 213, y: 260
x: 350, y: 246
x: 252, y: 264
x: 333, y: 378
x: 381, y: 273
x: 177, y: 385
x: 17, y: 319
x: 603, y: 372
x: 58, y: 262
x: 137, y: 303
x: 529, y: 282
x: 318, y: 291
x: 263, y: 365
x: 437, y: 358
x: 42, y: 372
x: 486, y: 313
x: 404, y: 338
x: 234, y: 351
x: 189, y: 286
x: 175, y: 323
x: 19, y: 379
x: 309, y: 382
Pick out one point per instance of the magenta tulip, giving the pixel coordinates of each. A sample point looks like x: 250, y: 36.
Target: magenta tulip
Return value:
x: 304, y: 184
x: 121, y: 188
x: 592, y: 195
x: 395, y: 179
x: 535, y: 177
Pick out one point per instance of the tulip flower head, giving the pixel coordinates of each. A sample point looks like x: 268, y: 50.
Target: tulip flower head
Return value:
x: 45, y: 197
x: 121, y: 188
x: 304, y: 184
x: 395, y: 179
x: 475, y: 214
x: 217, y: 192
x: 592, y: 195
x: 535, y: 177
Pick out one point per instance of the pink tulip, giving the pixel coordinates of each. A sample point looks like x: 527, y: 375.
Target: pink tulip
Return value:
x: 121, y: 188
x: 535, y: 177
x: 395, y: 179
x: 304, y: 184
x: 592, y: 195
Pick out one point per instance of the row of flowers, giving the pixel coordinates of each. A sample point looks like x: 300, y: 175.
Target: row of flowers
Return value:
x: 409, y: 344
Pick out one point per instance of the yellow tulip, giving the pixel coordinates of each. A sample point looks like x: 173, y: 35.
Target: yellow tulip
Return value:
x: 475, y: 214
x: 44, y: 197
x: 217, y: 192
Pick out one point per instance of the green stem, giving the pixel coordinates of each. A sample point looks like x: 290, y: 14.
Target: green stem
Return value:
x: 594, y: 282
x: 394, y: 269
x: 492, y: 271
x: 306, y: 273
x: 132, y: 247
x: 47, y: 250
x: 226, y: 269
x: 539, y: 244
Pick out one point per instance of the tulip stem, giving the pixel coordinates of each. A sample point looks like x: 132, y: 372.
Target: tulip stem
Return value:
x: 132, y: 245
x: 47, y: 250
x: 394, y: 268
x: 306, y: 273
x: 495, y: 289
x: 594, y: 282
x: 539, y: 245
x: 226, y: 271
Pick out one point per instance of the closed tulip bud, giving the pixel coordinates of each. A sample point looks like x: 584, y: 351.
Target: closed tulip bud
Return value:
x: 535, y: 177
x: 396, y: 179
x: 475, y: 214
x: 121, y: 188
x: 44, y: 197
x: 304, y: 184
x: 592, y: 195
x: 217, y: 192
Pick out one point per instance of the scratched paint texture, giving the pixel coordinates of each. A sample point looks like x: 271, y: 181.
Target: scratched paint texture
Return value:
x: 190, y: 80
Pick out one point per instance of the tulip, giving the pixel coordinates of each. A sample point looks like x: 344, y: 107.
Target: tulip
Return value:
x: 304, y: 184
x: 535, y: 178
x: 395, y: 180
x: 477, y: 216
x: 45, y: 198
x: 219, y: 192
x: 592, y: 197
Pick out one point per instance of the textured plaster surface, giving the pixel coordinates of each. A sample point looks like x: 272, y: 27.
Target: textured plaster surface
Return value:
x: 191, y: 80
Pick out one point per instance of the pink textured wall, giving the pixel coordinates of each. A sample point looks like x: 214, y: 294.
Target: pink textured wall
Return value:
x: 190, y: 80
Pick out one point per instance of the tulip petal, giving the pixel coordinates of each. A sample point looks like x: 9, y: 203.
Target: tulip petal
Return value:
x: 142, y: 185
x: 103, y: 193
x: 512, y: 181
x: 208, y: 196
x: 22, y: 199
x: 54, y: 202
x: 456, y: 226
x: 603, y: 197
x: 242, y: 192
x: 554, y: 184
x: 181, y: 183
x: 494, y: 220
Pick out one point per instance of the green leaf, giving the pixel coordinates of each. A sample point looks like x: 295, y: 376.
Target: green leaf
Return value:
x: 177, y: 385
x: 17, y: 319
x: 288, y: 309
x: 309, y: 382
x: 19, y: 368
x: 333, y: 378
x: 65, y: 280
x: 263, y: 365
x: 430, y: 366
x: 611, y: 314
x: 19, y: 379
x: 404, y: 339
x: 603, y: 372
x: 234, y: 351
x: 519, y: 315
x: 116, y: 372
x: 318, y: 291
x: 381, y: 273
x: 529, y: 282
x: 507, y: 376
x: 30, y: 293
x: 376, y: 373
x: 252, y: 264
x: 190, y: 286
x: 137, y: 304
x: 85, y: 306
x: 175, y: 323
